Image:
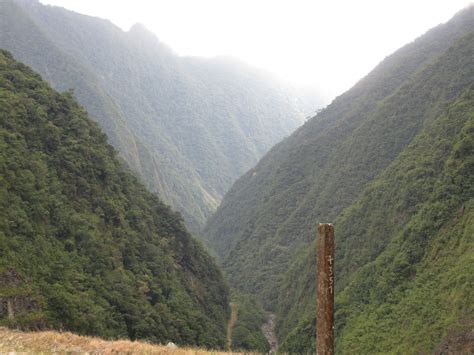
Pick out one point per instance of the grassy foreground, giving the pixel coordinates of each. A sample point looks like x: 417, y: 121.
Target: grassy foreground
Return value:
x: 54, y: 342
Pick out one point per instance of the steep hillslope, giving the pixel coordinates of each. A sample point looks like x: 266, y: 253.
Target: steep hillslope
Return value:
x: 187, y: 126
x: 407, y: 246
x: 270, y: 213
x: 83, y: 245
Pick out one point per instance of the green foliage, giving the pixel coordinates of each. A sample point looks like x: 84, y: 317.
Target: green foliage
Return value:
x: 421, y: 285
x: 187, y: 126
x: 380, y: 163
x: 25, y: 321
x: 409, y: 287
x: 105, y: 255
x: 247, y: 334
x: 270, y: 213
x: 302, y: 338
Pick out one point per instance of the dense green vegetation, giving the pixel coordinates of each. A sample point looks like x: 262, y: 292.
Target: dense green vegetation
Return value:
x: 189, y: 127
x: 247, y: 334
x: 384, y: 162
x: 419, y: 289
x: 98, y: 253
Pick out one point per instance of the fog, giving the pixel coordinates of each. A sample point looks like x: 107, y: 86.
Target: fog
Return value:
x: 327, y: 45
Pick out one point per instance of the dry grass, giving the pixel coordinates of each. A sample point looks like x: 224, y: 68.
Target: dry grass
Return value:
x: 55, y: 342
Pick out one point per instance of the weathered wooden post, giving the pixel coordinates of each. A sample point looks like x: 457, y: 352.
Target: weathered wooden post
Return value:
x: 325, y: 290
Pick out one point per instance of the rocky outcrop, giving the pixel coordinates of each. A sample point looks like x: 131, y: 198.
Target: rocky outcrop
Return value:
x: 18, y: 302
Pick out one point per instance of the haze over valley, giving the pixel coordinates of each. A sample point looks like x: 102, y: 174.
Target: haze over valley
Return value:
x: 171, y: 197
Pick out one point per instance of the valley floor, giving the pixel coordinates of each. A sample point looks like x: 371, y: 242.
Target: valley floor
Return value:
x: 268, y: 330
x: 230, y: 324
x: 55, y: 342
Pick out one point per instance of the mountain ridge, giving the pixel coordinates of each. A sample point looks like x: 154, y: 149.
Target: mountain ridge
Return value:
x: 188, y: 127
x: 238, y: 218
x: 425, y: 258
x: 265, y: 226
x: 84, y: 246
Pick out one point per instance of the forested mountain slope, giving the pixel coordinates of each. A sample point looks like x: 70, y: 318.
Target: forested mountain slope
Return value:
x: 405, y: 252
x: 187, y: 126
x: 83, y: 245
x: 320, y: 172
x: 320, y: 169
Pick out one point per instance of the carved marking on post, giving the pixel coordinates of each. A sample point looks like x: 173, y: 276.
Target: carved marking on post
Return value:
x: 325, y: 290
x: 331, y: 275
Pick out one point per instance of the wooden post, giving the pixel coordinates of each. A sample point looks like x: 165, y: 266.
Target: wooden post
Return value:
x: 325, y: 291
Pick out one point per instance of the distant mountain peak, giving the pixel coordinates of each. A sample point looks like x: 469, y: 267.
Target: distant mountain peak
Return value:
x: 188, y: 126
x: 140, y: 29
x: 143, y: 35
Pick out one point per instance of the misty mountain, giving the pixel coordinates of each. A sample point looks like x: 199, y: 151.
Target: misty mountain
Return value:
x: 189, y: 127
x: 84, y: 246
x: 390, y: 163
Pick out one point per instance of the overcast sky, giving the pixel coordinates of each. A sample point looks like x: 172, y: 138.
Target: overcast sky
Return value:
x: 326, y: 44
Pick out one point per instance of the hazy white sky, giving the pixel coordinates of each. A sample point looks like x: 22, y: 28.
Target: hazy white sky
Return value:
x: 326, y: 44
